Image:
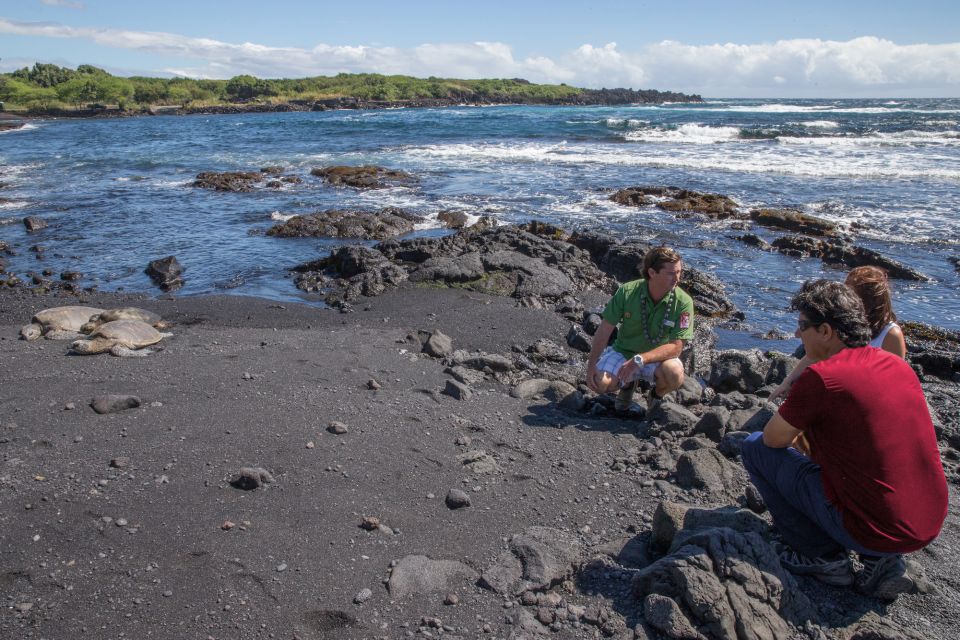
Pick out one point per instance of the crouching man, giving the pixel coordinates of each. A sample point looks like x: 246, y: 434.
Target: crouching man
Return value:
x: 654, y: 318
x: 873, y: 483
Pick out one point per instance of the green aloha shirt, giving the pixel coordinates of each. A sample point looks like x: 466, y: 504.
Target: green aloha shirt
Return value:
x: 626, y: 310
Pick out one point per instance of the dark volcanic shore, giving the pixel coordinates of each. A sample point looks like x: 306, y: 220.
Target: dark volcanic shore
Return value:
x: 126, y: 524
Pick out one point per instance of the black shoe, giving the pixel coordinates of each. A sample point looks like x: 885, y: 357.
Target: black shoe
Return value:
x: 836, y: 571
x: 625, y: 397
x: 884, y: 577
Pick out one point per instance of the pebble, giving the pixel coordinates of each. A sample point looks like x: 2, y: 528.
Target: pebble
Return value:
x: 457, y: 499
x: 167, y: 594
x: 121, y: 522
x: 227, y: 525
x: 310, y: 445
x: 372, y: 384
x: 281, y: 568
x: 70, y: 406
x: 362, y: 596
x: 369, y: 523
x: 451, y: 599
x: 121, y: 462
x: 247, y: 375
x: 337, y: 427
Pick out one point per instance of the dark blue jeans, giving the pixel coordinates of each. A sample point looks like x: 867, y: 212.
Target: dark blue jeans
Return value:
x: 790, y: 485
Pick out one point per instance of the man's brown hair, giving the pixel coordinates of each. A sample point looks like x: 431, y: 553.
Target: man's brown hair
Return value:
x: 870, y: 283
x: 656, y: 258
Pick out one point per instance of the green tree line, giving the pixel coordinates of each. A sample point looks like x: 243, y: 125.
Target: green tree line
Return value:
x: 48, y: 86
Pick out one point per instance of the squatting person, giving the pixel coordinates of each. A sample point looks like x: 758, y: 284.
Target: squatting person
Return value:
x: 873, y: 483
x: 654, y: 318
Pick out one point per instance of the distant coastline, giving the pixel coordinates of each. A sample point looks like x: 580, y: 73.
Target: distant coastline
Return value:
x: 51, y: 91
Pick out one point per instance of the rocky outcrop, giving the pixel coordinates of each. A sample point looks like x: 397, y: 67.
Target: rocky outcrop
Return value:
x: 681, y: 201
x: 235, y: 181
x: 341, y: 223
x: 793, y: 220
x: 166, y: 273
x: 364, y: 177
x: 844, y: 253
x: 536, y: 559
x: 722, y: 584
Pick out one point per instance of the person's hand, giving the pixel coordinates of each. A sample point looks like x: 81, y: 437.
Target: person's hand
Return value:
x: 781, y: 390
x: 591, y: 378
x: 627, y: 370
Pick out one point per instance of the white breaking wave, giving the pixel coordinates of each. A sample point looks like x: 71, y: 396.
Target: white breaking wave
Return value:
x: 747, y: 158
x: 788, y: 108
x: 899, y: 138
x: 12, y: 204
x: 282, y: 217
x: 27, y: 127
x: 819, y: 124
x: 687, y: 133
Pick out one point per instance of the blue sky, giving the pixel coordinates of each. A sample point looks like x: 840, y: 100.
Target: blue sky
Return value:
x: 718, y: 49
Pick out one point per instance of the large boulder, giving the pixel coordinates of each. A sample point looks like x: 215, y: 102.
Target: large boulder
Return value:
x: 417, y: 574
x: 536, y: 559
x: 723, y: 584
x: 735, y: 370
x: 166, y: 273
x: 709, y: 470
x: 674, y: 522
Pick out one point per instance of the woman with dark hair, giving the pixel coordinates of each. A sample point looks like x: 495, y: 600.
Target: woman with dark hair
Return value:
x: 872, y: 287
x: 870, y: 283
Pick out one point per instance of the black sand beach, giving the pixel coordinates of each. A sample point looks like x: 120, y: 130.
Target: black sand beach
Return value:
x: 126, y: 524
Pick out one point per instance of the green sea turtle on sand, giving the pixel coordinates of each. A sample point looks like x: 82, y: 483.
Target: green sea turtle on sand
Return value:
x: 124, y: 313
x: 58, y: 323
x: 121, y: 338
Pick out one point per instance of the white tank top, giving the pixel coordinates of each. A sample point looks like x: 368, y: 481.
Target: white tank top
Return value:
x: 878, y: 341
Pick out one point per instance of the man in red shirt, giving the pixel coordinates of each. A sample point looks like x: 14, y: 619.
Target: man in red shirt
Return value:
x: 873, y: 482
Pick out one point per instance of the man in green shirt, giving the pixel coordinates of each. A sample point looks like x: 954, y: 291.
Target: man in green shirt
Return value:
x: 654, y: 317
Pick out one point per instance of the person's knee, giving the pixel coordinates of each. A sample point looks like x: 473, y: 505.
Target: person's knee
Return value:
x: 669, y: 375
x: 605, y: 383
x: 750, y: 449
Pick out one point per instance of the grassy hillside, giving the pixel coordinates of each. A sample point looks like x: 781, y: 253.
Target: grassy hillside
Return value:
x: 47, y: 87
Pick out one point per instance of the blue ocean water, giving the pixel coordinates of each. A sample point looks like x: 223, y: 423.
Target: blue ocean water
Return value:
x: 117, y: 192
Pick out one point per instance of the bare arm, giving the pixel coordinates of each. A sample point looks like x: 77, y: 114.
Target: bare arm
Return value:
x: 784, y: 386
x: 779, y: 433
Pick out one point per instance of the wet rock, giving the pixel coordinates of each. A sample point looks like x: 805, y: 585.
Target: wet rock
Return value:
x: 250, y: 478
x: 709, y: 295
x: 708, y: 469
x: 343, y: 223
x: 453, y: 219
x: 457, y: 499
x: 416, y: 574
x: 166, y: 273
x: 235, y: 181
x: 755, y: 241
x: 724, y: 584
x: 438, y: 345
x: 793, y: 220
x: 33, y: 223
x: 114, y: 403
x: 363, y: 177
x: 713, y: 205
x: 672, y: 518
x: 537, y: 559
x: 457, y: 390
x: 933, y: 351
x: 843, y: 253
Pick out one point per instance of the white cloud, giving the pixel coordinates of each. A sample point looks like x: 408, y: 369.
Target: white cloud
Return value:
x: 800, y: 67
x: 62, y: 3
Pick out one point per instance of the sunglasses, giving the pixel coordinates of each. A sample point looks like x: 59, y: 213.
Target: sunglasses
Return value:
x: 803, y: 325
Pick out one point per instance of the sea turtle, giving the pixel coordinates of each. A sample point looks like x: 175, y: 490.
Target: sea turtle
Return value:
x: 58, y: 323
x: 121, y: 338
x: 124, y: 313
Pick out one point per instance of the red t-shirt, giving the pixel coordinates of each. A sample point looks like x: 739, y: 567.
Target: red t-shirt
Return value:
x: 869, y: 429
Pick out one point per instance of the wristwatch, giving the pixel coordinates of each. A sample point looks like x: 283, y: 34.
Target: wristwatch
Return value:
x: 638, y: 360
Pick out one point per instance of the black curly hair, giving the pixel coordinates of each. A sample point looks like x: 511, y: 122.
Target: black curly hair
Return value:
x: 836, y: 304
